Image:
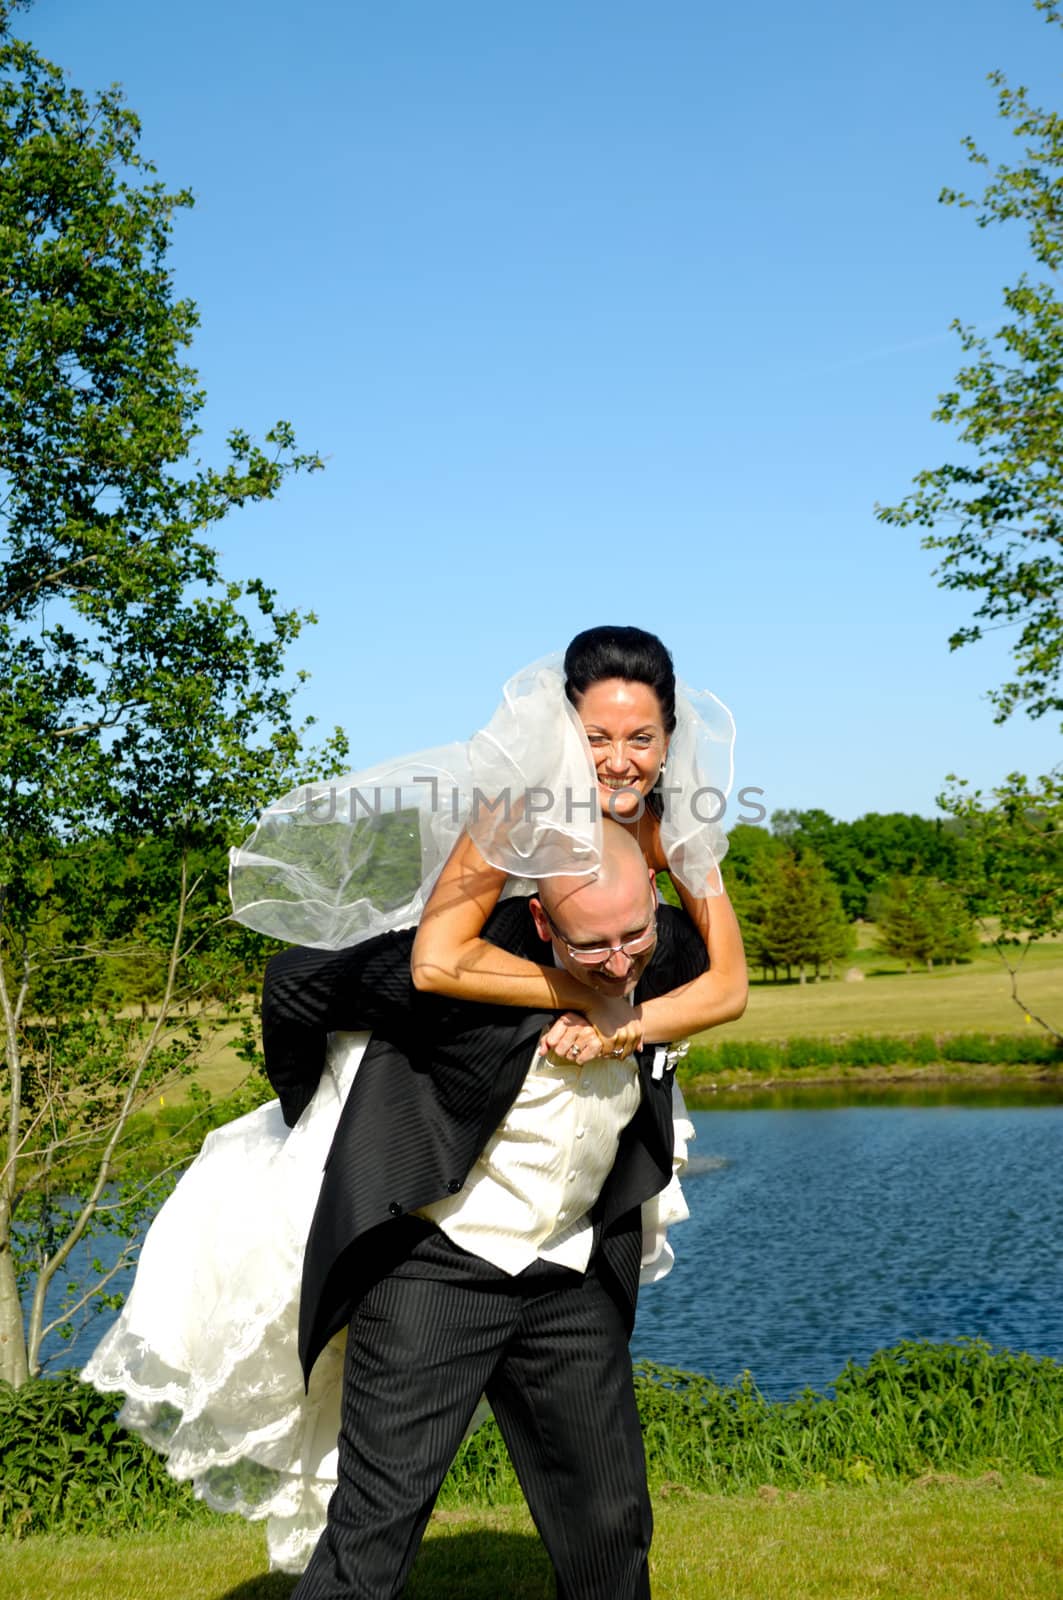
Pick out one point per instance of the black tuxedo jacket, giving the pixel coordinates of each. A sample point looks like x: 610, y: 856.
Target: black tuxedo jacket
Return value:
x: 436, y: 1080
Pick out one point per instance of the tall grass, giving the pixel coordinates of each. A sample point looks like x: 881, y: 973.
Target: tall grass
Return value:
x: 870, y: 1050
x: 915, y: 1408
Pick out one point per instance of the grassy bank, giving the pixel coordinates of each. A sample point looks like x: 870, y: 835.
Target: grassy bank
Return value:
x: 976, y: 1059
x: 823, y: 1088
x: 173, y: 1128
x: 936, y: 1539
x: 916, y: 1408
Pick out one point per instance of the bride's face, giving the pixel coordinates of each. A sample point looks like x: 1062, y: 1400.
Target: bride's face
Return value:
x: 623, y: 724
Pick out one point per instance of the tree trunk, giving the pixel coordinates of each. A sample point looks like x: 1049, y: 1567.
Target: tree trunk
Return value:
x: 14, y: 1368
x: 14, y: 1365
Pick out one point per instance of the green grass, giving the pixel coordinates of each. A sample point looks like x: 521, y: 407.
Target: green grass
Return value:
x: 782, y: 1061
x: 975, y: 997
x: 933, y: 1471
x: 937, y: 1539
x: 917, y: 1407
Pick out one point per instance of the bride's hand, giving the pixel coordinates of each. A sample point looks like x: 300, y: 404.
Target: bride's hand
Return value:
x: 571, y: 1037
x: 610, y: 1029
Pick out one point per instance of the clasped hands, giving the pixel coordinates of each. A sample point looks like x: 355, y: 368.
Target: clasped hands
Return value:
x: 611, y: 1028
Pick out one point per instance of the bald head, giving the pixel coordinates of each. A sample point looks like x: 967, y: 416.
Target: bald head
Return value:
x: 622, y: 863
x: 606, y: 909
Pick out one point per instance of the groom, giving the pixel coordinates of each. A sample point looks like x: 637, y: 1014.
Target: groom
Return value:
x: 478, y: 1231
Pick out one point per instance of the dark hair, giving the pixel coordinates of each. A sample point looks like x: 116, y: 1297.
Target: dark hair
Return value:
x: 628, y: 653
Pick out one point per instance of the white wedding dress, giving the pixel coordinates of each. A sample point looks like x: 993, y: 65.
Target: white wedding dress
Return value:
x: 205, y: 1348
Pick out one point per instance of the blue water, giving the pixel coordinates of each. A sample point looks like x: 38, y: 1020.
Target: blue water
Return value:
x: 818, y: 1236
x: 821, y: 1235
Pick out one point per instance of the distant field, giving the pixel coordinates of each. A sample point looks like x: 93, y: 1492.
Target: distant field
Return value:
x: 975, y: 997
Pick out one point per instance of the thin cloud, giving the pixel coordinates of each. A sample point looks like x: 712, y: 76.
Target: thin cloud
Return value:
x: 887, y: 351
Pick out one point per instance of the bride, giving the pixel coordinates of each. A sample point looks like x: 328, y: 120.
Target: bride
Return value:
x: 205, y: 1348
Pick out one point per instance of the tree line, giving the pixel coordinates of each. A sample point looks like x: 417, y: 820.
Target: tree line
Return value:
x: 800, y: 888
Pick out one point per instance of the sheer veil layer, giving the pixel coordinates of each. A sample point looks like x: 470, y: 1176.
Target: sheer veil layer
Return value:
x: 335, y: 862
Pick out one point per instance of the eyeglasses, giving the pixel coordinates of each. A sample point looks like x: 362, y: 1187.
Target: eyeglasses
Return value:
x: 597, y: 955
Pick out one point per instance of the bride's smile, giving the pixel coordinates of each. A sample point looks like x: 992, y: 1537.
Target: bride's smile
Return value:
x: 623, y: 724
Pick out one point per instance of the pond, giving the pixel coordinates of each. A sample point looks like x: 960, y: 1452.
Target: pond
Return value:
x: 821, y: 1234
x: 821, y: 1231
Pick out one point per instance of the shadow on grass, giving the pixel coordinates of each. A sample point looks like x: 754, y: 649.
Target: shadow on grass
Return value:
x: 478, y: 1565
x: 270, y: 1586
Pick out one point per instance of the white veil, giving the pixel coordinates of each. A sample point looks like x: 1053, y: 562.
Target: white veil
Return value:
x: 335, y: 862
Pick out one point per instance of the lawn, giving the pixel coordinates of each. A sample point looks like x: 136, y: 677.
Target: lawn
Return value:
x: 972, y: 998
x: 937, y: 1539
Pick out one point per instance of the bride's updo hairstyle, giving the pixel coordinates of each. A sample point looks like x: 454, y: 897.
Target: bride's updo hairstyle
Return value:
x: 598, y: 654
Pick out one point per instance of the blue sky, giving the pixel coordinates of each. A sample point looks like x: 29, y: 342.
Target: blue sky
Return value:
x: 599, y: 312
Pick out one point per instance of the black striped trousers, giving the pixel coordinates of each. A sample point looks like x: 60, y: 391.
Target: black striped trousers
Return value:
x: 549, y: 1349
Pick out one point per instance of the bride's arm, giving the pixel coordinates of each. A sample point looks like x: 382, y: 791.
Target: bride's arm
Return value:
x: 450, y: 957
x: 718, y: 995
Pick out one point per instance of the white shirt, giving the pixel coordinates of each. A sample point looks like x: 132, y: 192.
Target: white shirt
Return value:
x: 531, y: 1190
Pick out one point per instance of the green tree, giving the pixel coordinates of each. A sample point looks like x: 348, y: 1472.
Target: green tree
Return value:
x: 924, y: 920
x: 753, y: 857
x: 143, y: 709
x: 802, y: 924
x: 862, y: 856
x: 835, y: 935
x: 996, y: 516
x: 1012, y: 859
x: 752, y: 853
x: 749, y: 901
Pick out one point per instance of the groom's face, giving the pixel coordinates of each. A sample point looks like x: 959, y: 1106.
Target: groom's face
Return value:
x: 583, y: 924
